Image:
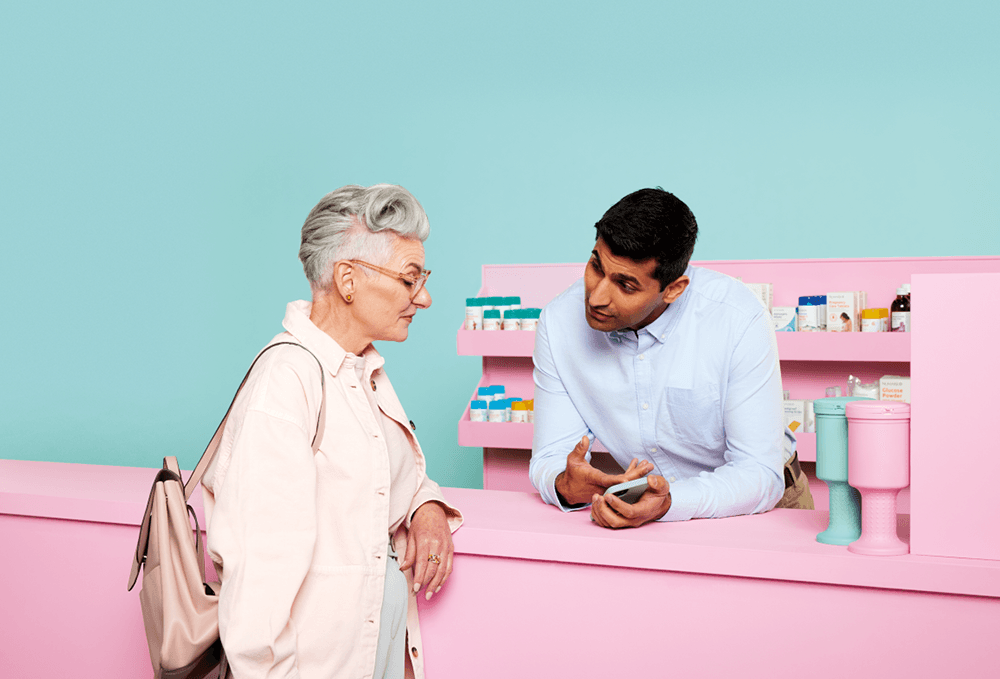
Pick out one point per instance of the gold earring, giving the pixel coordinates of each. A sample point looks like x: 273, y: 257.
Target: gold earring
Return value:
x: 348, y: 298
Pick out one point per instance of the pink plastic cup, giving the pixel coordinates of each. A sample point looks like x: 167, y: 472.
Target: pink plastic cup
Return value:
x: 878, y: 434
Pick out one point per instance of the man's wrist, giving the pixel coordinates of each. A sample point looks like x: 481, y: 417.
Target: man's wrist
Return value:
x: 561, y: 498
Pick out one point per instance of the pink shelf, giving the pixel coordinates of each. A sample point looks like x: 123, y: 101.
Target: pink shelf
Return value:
x: 496, y: 342
x: 859, y: 347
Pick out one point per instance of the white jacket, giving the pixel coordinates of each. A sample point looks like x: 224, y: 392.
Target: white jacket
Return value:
x: 300, y: 539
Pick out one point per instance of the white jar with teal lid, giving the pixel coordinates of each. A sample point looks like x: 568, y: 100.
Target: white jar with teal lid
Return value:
x: 474, y: 313
x: 512, y: 319
x: 529, y: 318
x: 512, y: 302
x: 478, y: 411
x: 491, y: 320
x: 497, y: 411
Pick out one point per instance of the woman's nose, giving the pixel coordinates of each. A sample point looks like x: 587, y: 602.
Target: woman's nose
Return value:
x: 423, y: 298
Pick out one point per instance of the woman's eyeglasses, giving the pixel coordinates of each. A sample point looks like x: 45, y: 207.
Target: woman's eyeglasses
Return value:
x: 414, y: 283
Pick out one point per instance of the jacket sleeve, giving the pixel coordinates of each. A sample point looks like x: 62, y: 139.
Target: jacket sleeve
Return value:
x: 264, y: 528
x: 429, y: 491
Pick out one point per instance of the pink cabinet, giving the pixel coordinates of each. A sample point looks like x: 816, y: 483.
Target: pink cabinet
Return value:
x: 810, y: 362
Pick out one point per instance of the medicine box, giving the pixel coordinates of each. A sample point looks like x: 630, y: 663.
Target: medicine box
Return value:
x: 795, y: 414
x: 843, y: 313
x: 764, y: 292
x: 894, y: 388
x: 785, y: 318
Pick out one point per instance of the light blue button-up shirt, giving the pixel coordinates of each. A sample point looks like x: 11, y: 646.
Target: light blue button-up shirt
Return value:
x: 697, y: 392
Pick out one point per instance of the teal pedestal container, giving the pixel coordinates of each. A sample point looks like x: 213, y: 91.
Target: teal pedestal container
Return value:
x: 831, y: 467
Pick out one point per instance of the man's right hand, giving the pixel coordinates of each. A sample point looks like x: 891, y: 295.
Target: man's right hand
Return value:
x: 580, y: 481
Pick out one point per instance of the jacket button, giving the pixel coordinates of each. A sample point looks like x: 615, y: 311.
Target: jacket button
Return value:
x: 374, y: 388
x: 413, y: 426
x: 414, y: 652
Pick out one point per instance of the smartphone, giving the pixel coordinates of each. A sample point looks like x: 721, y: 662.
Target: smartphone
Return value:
x: 630, y: 491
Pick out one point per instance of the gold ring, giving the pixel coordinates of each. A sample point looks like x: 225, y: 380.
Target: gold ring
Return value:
x: 434, y: 558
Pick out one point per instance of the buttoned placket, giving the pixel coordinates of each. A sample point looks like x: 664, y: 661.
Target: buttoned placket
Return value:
x: 362, y: 407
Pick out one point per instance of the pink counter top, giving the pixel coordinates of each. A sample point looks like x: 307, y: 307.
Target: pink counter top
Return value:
x: 778, y: 545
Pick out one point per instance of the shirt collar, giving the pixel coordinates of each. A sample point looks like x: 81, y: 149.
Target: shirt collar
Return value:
x: 330, y: 354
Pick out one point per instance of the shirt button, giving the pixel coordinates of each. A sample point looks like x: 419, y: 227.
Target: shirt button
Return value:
x: 645, y: 406
x: 672, y: 479
x: 413, y: 650
x: 652, y: 450
x: 642, y: 357
x: 374, y: 388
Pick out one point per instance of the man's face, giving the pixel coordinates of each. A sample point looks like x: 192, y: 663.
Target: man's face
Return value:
x: 621, y: 293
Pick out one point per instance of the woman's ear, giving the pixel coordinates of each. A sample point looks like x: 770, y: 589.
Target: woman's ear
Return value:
x: 344, y: 281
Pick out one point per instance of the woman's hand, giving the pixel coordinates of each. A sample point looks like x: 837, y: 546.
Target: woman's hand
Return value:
x: 429, y: 535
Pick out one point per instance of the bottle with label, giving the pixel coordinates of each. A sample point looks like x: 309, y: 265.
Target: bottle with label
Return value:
x: 901, y: 310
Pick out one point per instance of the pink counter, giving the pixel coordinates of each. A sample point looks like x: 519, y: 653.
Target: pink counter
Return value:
x: 535, y: 592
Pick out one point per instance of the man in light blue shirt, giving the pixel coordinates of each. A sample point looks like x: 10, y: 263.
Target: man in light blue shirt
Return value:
x: 673, y: 368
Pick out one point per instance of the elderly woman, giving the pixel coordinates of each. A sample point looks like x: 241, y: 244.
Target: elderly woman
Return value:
x: 319, y: 484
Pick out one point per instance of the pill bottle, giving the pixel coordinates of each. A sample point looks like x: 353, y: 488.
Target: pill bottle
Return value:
x: 491, y: 320
x: 531, y: 410
x: 510, y: 406
x: 501, y: 305
x: 485, y: 394
x: 473, y: 313
x: 529, y: 318
x: 478, y: 411
x: 519, y: 412
x: 512, y: 319
x: 872, y: 320
x: 497, y: 411
x: 499, y: 392
x: 512, y: 302
x: 900, y: 320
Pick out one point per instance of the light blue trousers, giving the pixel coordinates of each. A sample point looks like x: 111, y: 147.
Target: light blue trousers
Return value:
x: 390, y: 656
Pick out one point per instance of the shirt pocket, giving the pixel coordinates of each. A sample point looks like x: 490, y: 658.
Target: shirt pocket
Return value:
x: 693, y: 416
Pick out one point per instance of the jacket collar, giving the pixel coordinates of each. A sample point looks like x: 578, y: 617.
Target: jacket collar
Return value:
x: 331, y: 354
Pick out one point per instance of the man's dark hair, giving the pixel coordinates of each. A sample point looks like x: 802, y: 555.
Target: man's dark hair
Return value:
x: 651, y: 223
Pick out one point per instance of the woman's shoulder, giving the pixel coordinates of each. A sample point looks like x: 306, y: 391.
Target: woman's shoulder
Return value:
x: 285, y: 375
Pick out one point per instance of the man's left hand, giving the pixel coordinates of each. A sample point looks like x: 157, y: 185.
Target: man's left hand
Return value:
x: 429, y: 548
x: 612, y: 512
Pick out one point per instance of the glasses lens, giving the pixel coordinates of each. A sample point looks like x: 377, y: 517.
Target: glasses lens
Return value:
x: 418, y: 286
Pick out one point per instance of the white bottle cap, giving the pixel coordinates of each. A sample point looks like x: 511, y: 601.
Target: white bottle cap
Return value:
x: 906, y: 288
x: 900, y: 291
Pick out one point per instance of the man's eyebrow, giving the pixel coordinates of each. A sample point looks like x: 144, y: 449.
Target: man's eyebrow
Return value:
x: 625, y: 278
x: 620, y: 277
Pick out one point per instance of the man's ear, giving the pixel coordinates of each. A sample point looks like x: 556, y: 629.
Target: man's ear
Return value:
x: 344, y: 279
x: 674, y: 290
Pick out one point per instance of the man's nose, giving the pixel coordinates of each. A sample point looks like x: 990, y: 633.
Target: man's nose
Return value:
x: 600, y: 296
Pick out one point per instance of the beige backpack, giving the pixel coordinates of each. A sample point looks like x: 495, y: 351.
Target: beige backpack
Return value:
x: 179, y: 605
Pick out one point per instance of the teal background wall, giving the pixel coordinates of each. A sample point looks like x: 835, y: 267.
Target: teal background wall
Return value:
x: 157, y: 162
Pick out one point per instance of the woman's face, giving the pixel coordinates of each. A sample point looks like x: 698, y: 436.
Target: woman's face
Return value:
x: 384, y: 301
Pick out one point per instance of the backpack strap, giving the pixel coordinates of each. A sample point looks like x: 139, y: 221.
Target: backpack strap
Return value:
x: 213, y: 446
x: 171, y: 471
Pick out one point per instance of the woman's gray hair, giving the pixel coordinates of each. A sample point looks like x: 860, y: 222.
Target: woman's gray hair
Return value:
x: 355, y: 222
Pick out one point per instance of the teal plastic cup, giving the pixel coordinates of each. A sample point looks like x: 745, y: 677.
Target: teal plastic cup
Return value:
x: 832, y: 468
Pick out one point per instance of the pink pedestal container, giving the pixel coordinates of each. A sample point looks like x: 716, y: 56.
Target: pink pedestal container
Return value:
x: 879, y: 467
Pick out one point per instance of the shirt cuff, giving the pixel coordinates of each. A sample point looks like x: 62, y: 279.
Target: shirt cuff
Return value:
x: 553, y: 496
x: 684, y: 501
